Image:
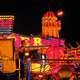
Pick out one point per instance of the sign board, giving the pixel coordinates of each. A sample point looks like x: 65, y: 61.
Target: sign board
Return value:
x: 38, y: 41
x: 6, y: 48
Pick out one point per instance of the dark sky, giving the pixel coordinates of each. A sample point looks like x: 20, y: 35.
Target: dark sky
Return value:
x: 28, y: 15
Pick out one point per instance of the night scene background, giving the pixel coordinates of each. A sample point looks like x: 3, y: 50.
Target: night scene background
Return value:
x: 28, y: 14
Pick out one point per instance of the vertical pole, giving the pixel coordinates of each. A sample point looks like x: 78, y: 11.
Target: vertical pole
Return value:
x: 43, y: 63
x: 28, y: 69
x: 19, y: 68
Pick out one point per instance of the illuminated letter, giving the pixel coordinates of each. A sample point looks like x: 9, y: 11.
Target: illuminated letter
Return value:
x: 27, y: 42
x: 37, y: 41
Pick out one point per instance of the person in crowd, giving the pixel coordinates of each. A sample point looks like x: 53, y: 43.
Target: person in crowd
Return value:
x: 21, y: 56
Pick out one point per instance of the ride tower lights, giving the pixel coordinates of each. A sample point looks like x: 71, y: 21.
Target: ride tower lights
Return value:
x: 51, y: 27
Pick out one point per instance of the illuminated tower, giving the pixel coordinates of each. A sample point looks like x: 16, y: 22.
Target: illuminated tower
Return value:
x: 50, y: 25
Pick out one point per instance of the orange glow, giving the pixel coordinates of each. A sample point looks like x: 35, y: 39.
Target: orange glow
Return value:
x: 6, y: 52
x: 9, y: 66
x: 44, y: 50
x: 6, y: 48
x: 50, y: 25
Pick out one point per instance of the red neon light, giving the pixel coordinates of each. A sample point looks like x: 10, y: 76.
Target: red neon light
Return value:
x: 49, y: 14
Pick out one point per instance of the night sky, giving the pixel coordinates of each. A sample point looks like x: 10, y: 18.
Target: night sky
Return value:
x: 28, y: 14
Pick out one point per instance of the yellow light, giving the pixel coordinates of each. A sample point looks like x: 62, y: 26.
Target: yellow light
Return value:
x: 37, y: 41
x: 36, y: 67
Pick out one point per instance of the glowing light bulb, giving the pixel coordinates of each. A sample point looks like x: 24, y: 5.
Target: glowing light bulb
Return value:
x: 40, y: 75
x: 26, y: 54
x: 60, y: 13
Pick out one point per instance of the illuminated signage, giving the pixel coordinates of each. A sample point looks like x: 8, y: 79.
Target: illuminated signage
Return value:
x: 6, y: 48
x: 36, y: 67
x: 6, y: 24
x: 6, y: 52
x: 6, y: 21
x: 37, y: 41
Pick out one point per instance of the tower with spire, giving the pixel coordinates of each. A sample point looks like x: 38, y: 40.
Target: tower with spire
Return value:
x: 50, y: 25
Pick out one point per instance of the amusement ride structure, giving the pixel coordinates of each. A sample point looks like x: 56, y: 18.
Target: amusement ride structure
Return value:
x: 45, y: 54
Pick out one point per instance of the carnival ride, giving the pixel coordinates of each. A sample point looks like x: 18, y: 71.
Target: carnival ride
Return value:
x: 47, y: 52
